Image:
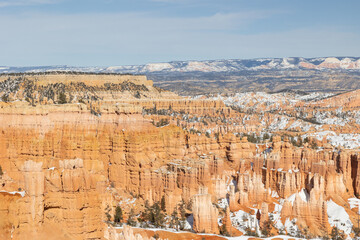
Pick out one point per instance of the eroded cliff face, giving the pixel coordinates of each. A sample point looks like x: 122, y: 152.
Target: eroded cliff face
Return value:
x: 67, y: 167
x: 205, y: 214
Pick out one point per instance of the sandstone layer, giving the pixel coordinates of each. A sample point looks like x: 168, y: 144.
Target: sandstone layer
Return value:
x: 66, y: 166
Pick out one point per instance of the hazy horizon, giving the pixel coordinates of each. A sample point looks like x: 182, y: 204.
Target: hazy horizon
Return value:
x: 184, y: 60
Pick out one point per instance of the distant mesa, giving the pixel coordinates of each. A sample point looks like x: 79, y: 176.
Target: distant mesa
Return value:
x: 231, y: 65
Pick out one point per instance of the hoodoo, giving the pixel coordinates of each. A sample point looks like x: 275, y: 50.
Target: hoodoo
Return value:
x: 108, y: 156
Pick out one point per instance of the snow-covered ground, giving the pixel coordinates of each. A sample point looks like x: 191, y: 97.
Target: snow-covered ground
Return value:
x: 338, y: 217
x: 346, y: 140
x: 350, y: 141
x: 285, y: 237
x: 270, y: 101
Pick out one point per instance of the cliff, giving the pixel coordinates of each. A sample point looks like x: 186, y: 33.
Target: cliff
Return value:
x: 66, y: 167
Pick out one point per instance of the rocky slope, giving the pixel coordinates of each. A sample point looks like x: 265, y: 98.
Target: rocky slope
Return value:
x: 73, y: 150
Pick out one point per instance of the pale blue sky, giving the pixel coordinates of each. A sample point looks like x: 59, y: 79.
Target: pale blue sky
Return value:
x: 119, y: 32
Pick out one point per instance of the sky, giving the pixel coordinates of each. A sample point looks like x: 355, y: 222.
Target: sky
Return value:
x: 132, y: 32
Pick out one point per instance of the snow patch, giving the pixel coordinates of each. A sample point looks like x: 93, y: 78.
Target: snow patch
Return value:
x: 223, y: 203
x: 337, y: 216
x: 304, y: 195
x: 354, y: 203
x: 22, y: 193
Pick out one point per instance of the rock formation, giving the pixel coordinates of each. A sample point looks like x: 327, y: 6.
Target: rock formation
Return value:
x: 205, y: 214
x: 66, y: 167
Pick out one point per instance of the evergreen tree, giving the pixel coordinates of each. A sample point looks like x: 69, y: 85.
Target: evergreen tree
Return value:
x: 162, y: 203
x: 131, y: 220
x: 118, y: 217
x: 265, y: 231
x: 137, y: 94
x: 157, y: 217
x: 107, y: 213
x: 266, y: 136
x: 224, y: 231
x: 154, y: 215
x: 5, y: 98
x: 174, y: 223
x: 336, y: 234
x: 356, y: 231
x: 182, y: 214
x: 62, y: 98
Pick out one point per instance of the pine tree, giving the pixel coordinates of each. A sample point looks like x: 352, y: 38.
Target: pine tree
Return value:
x: 265, y: 231
x: 162, y: 203
x: 336, y: 234
x: 5, y: 98
x: 137, y: 94
x: 118, y: 217
x: 107, y: 213
x: 157, y: 216
x: 175, y: 220
x: 182, y: 214
x: 266, y: 136
x: 224, y: 231
x: 131, y: 220
x: 62, y: 98
x: 154, y: 215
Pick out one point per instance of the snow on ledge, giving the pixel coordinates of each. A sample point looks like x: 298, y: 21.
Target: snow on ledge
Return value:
x: 14, y: 192
x: 354, y: 203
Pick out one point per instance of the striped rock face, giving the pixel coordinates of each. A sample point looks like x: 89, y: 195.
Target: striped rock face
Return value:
x: 72, y: 151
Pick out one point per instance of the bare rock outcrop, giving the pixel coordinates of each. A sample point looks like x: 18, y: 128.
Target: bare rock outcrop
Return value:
x: 205, y: 214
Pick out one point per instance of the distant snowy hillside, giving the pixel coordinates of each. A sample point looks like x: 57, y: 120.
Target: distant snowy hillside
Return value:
x: 234, y: 65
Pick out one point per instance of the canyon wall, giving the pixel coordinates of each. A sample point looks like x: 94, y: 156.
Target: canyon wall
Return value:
x: 65, y: 168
